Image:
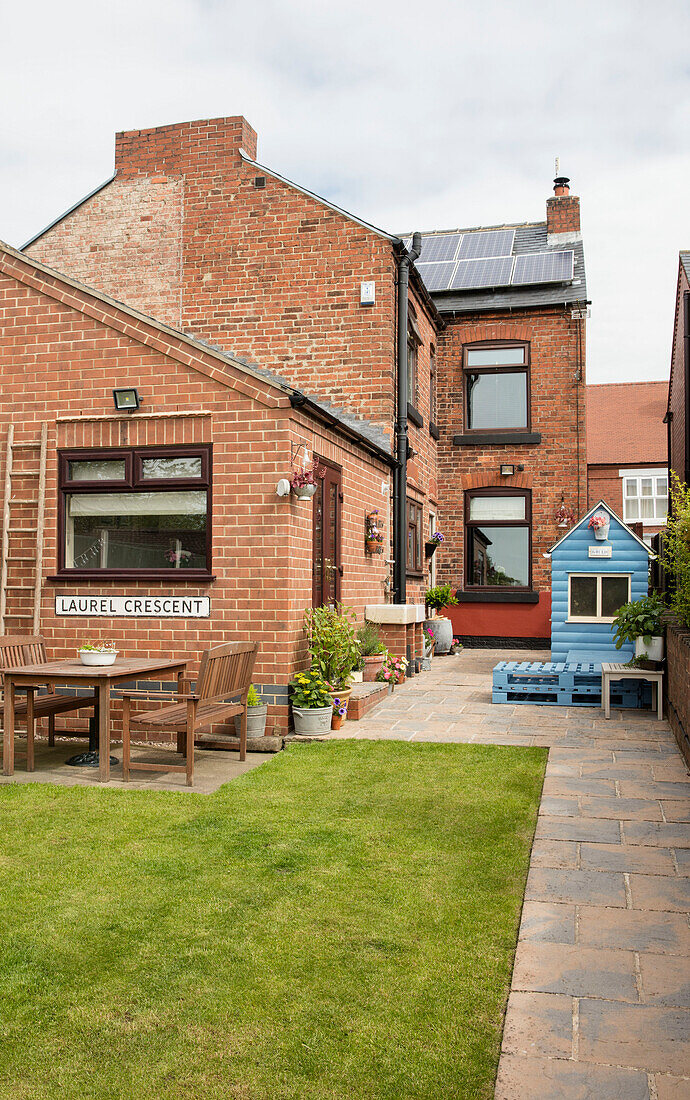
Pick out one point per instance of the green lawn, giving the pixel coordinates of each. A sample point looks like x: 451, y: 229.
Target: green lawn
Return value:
x: 338, y: 924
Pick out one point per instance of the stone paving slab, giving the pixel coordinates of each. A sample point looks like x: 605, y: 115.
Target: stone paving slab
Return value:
x: 600, y: 1002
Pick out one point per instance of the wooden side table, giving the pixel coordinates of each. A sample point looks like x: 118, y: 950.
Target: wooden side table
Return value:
x: 611, y: 672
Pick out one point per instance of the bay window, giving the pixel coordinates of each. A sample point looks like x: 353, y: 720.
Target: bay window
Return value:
x: 498, y: 539
x: 135, y: 512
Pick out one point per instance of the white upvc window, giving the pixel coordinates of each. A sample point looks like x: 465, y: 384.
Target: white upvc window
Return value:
x: 596, y: 597
x: 645, y: 496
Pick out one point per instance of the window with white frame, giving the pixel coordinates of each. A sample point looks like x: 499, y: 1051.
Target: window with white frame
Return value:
x: 596, y: 597
x: 645, y: 497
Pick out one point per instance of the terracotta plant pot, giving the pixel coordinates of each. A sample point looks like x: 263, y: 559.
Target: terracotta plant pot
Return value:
x: 344, y: 697
x: 372, y: 665
x: 374, y: 546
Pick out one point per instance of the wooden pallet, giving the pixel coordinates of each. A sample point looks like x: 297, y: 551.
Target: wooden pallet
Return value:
x: 560, y: 683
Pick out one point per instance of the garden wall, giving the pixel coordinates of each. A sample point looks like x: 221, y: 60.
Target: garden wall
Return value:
x: 678, y: 685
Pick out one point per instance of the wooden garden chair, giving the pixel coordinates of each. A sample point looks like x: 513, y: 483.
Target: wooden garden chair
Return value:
x: 19, y: 650
x: 224, y: 679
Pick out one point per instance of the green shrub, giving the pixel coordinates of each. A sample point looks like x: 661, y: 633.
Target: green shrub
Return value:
x: 676, y: 553
x: 439, y: 597
x: 253, y: 697
x: 309, y: 690
x: 333, y: 643
x: 639, y: 619
x: 369, y: 641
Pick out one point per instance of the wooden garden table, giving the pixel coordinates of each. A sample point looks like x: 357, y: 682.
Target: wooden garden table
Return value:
x: 610, y: 671
x: 73, y: 673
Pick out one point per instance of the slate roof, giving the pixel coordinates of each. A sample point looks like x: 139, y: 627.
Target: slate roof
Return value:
x: 685, y: 260
x: 625, y: 423
x: 529, y: 237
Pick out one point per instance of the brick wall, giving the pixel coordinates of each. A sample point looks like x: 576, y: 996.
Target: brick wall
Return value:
x: 62, y: 353
x: 678, y: 678
x: 678, y: 397
x: 551, y: 468
x: 563, y: 214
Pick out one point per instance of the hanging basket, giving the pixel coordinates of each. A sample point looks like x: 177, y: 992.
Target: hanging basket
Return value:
x: 304, y: 492
x: 374, y: 546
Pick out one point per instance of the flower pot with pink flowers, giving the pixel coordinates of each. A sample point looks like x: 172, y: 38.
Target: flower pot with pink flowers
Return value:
x: 599, y: 524
x: 304, y: 482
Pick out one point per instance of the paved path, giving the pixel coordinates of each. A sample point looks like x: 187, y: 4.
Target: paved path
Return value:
x: 599, y: 1007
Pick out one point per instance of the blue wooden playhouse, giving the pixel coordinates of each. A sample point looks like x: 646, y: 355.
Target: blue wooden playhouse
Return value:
x: 590, y: 579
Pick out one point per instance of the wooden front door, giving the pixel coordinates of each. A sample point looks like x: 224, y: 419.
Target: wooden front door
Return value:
x: 327, y: 566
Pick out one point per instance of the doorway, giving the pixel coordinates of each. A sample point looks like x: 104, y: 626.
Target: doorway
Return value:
x: 327, y: 567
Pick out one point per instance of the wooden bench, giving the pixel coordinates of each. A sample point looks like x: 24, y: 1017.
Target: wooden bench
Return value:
x: 225, y: 674
x: 19, y: 650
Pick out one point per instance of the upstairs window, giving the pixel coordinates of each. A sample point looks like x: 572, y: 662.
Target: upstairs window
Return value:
x: 496, y: 379
x: 645, y: 498
x: 414, y: 339
x: 433, y: 413
x: 498, y: 539
x: 135, y: 512
x: 415, y: 537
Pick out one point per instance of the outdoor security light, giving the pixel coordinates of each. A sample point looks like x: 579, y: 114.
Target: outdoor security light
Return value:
x: 507, y: 471
x: 126, y: 399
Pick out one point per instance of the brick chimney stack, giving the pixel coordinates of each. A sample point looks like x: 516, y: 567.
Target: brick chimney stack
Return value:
x: 563, y: 210
x: 200, y: 148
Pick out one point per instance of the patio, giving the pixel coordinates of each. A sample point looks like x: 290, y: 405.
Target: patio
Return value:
x: 600, y: 996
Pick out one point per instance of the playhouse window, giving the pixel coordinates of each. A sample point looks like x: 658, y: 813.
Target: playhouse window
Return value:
x: 497, y: 387
x: 135, y: 511
x: 596, y: 597
x: 498, y: 537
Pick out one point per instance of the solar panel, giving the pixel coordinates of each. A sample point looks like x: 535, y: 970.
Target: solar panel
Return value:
x: 439, y: 247
x: 543, y: 267
x: 485, y: 272
x: 491, y: 242
x: 436, y: 276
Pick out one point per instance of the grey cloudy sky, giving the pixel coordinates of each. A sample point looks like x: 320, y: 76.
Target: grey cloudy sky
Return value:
x: 424, y: 114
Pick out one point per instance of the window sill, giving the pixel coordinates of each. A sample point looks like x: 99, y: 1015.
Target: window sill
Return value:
x: 415, y: 416
x: 492, y: 439
x: 590, y: 622
x: 433, y: 431
x: 414, y: 576
x: 501, y: 595
x: 179, y: 576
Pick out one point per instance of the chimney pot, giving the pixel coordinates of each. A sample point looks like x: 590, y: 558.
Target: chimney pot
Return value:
x: 561, y: 185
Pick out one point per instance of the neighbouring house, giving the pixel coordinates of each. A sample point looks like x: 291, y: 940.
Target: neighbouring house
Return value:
x: 627, y: 451
x: 466, y: 361
x: 162, y: 528
x: 678, y: 409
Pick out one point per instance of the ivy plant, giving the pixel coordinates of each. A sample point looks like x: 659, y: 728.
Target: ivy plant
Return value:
x: 676, y: 550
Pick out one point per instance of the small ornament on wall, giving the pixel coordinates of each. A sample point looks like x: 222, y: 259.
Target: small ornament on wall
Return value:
x: 373, y: 536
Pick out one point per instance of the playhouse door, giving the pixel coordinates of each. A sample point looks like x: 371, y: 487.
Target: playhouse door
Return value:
x: 326, y: 564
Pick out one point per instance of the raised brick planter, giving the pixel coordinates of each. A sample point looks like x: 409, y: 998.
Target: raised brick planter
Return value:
x: 678, y: 685
x: 364, y: 698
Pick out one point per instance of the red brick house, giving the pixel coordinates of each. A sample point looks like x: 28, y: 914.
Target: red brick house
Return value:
x: 627, y: 463
x: 472, y: 388
x: 678, y: 409
x: 163, y: 528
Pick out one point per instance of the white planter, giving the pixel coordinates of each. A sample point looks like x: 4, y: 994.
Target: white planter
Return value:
x: 443, y: 633
x: 654, y: 651
x: 312, y: 721
x: 256, y: 721
x: 357, y: 677
x: 304, y: 492
x: 93, y: 657
x: 601, y: 533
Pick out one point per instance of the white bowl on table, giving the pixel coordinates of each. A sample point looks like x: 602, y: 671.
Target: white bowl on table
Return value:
x: 96, y: 657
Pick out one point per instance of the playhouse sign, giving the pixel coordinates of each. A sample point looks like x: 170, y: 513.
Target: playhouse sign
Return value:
x: 138, y: 607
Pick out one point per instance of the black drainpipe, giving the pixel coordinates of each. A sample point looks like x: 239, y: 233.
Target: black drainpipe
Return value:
x: 400, y: 474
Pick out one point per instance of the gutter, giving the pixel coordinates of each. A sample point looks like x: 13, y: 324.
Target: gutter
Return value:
x: 404, y: 260
x: 299, y: 400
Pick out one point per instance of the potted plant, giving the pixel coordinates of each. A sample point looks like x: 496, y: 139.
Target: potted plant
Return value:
x: 373, y: 539
x: 339, y: 712
x: 599, y: 523
x: 256, y: 715
x: 102, y: 653
x: 393, y: 671
x: 432, y: 544
x: 437, y: 598
x: 312, y: 706
x: 304, y: 482
x: 333, y: 644
x: 372, y: 652
x: 429, y: 639
x: 641, y: 622
x: 179, y: 558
